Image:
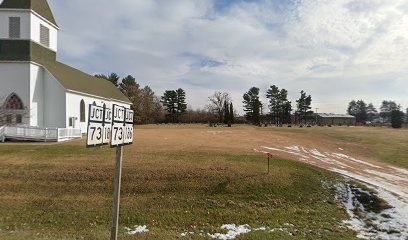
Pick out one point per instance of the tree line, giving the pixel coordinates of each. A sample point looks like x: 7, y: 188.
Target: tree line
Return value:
x: 390, y: 112
x: 280, y: 108
x: 171, y: 107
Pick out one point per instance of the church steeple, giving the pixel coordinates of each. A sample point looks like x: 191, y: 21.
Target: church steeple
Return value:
x: 28, y: 31
x: 41, y: 7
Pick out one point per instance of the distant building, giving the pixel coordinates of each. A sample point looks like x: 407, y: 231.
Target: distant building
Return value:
x: 52, y: 94
x: 335, y: 119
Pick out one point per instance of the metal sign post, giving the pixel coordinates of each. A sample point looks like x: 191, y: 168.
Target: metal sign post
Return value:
x: 269, y: 158
x: 114, y: 127
x: 116, y: 193
x: 122, y: 134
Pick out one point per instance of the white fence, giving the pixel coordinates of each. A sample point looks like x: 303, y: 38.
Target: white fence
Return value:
x: 39, y: 134
x: 2, y: 133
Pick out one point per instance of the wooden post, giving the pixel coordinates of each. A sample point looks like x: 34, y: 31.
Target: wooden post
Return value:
x: 269, y: 156
x: 116, y: 193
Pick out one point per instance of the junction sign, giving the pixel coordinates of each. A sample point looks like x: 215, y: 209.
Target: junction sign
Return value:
x: 106, y: 126
x: 113, y: 127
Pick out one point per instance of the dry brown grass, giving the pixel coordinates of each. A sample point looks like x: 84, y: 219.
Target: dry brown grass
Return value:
x: 174, y: 177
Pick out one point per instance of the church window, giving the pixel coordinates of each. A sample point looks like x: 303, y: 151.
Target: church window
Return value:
x: 14, y: 27
x: 19, y: 118
x: 44, y: 35
x: 9, y: 118
x: 82, y: 111
x: 14, y: 102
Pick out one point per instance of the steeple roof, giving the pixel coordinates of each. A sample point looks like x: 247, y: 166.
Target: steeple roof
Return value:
x: 39, y: 6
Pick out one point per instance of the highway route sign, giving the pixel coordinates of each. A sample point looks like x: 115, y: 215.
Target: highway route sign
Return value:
x: 128, y: 126
x: 99, y: 126
x: 122, y: 126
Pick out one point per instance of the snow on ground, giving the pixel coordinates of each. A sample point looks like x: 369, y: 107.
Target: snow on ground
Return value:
x: 390, y: 223
x: 233, y: 231
x: 137, y: 229
x: 390, y: 183
x: 345, y: 157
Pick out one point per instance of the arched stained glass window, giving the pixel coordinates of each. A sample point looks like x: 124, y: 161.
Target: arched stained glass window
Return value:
x: 14, y: 102
x: 82, y: 111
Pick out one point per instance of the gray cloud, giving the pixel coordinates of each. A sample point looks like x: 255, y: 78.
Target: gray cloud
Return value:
x: 334, y: 50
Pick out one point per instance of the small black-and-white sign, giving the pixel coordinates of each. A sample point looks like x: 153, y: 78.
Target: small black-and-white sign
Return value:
x: 109, y: 126
x: 99, y: 126
x: 128, y: 126
x: 122, y: 126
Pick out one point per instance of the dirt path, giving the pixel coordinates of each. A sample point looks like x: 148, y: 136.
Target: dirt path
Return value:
x: 390, y: 178
x: 390, y: 182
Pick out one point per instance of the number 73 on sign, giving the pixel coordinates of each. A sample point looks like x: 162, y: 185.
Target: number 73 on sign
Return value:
x: 122, y: 126
x: 99, y: 126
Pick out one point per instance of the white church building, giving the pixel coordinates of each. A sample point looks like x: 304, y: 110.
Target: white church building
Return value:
x: 35, y: 89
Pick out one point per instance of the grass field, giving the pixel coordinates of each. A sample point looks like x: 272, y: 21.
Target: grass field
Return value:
x: 180, y: 179
x: 374, y: 143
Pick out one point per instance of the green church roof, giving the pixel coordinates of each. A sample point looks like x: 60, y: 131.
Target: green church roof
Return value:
x: 39, y: 6
x: 75, y: 80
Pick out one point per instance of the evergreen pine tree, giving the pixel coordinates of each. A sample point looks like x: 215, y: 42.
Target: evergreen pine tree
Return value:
x: 231, y: 111
x: 303, y: 106
x: 396, y: 118
x: 273, y: 95
x: 169, y: 101
x: 181, y: 105
x: 252, y: 105
x: 226, y: 113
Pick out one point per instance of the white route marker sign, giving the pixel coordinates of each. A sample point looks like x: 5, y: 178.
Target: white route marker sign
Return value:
x: 109, y: 126
x: 99, y: 124
x: 128, y: 126
x: 122, y: 126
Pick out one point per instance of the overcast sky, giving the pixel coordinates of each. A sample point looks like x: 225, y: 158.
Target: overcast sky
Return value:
x: 335, y: 50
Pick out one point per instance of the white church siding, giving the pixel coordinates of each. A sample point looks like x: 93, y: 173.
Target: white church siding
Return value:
x: 24, y: 23
x: 54, y: 102
x: 15, y: 78
x: 35, y: 31
x: 36, y: 110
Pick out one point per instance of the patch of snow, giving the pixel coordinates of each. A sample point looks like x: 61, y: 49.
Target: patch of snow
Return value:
x: 389, y: 182
x: 341, y: 149
x: 186, y: 234
x: 233, y: 231
x: 256, y: 150
x: 345, y: 157
x: 286, y: 151
x: 137, y: 229
x: 294, y: 148
x: 386, y: 175
x: 260, y: 229
x: 384, y: 186
x: 317, y: 153
x: 401, y: 170
x: 331, y: 161
x: 388, y: 224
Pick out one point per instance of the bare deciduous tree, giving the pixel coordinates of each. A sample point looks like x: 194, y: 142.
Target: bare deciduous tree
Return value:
x: 217, y: 103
